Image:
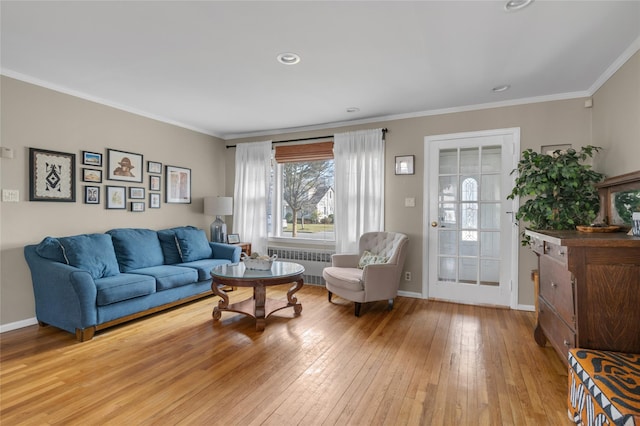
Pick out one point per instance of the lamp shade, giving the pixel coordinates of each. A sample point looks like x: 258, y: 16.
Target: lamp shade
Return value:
x: 218, y: 206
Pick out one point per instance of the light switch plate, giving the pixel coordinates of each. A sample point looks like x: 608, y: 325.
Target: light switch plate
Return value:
x: 10, y: 195
x: 410, y: 202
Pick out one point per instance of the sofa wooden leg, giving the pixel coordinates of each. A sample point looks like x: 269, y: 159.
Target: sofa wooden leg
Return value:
x: 329, y: 294
x: 357, y: 309
x: 85, y: 334
x: 390, y: 304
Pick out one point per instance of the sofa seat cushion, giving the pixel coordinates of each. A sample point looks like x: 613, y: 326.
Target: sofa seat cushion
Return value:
x: 122, y: 287
x: 193, y: 244
x: 169, y: 276
x: 347, y: 278
x: 204, y: 267
x: 93, y: 253
x: 136, y: 248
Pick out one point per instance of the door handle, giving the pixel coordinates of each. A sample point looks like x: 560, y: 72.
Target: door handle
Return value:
x: 434, y: 224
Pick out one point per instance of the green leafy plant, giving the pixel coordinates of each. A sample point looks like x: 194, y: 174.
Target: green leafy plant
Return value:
x: 559, y: 189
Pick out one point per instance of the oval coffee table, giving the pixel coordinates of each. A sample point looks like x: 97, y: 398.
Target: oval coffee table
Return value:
x: 258, y: 306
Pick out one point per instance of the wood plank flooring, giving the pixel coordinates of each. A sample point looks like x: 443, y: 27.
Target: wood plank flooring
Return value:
x: 423, y: 363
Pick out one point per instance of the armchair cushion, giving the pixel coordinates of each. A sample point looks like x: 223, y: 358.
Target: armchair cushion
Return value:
x: 369, y: 258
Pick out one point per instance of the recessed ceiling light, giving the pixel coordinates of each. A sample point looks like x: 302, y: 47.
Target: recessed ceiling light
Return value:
x: 501, y: 88
x: 353, y: 109
x: 288, y: 58
x: 513, y: 5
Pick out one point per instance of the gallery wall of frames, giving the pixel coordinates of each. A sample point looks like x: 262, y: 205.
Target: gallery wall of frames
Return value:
x: 115, y: 179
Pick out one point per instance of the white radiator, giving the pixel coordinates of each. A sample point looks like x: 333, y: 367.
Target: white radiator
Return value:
x: 314, y: 261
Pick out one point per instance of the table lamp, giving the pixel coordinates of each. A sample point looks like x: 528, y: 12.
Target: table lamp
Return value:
x: 218, y: 207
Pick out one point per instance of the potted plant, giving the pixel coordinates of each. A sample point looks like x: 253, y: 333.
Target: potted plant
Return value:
x: 559, y: 189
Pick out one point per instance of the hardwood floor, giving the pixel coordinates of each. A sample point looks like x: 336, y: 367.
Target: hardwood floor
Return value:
x: 424, y: 363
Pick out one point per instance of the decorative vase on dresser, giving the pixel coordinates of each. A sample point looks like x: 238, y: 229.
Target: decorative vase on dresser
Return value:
x: 589, y: 295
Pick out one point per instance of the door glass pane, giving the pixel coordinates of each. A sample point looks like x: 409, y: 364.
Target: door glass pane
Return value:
x: 490, y: 244
x: 447, y: 242
x: 469, y: 247
x: 447, y: 206
x: 491, y: 159
x: 469, y: 160
x: 448, y: 161
x: 490, y: 188
x: 468, y: 271
x: 490, y: 216
x: 447, y: 269
x: 490, y: 272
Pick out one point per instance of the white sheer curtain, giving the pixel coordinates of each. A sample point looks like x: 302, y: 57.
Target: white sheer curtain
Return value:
x: 253, y: 168
x: 359, y: 182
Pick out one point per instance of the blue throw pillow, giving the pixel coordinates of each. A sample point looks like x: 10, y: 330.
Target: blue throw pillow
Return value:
x: 50, y: 248
x: 169, y: 246
x: 93, y: 253
x: 136, y: 248
x: 193, y: 244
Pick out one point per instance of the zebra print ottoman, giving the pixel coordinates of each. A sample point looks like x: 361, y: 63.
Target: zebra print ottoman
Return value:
x: 604, y: 388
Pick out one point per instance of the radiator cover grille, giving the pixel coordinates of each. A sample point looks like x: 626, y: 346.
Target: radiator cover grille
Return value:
x: 314, y: 261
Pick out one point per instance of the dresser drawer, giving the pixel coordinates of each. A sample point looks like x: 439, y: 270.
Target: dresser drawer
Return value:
x: 559, y: 334
x: 555, y: 251
x: 556, y: 287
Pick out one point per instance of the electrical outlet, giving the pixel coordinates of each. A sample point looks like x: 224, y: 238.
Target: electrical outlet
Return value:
x: 407, y: 276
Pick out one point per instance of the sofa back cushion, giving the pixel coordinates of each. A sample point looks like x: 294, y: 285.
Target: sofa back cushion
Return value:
x: 93, y: 253
x: 136, y: 248
x: 193, y: 244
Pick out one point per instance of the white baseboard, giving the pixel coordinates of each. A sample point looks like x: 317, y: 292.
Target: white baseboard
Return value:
x: 18, y: 324
x: 530, y: 308
x: 411, y: 294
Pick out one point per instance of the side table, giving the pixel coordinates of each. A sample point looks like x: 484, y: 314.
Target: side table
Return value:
x: 246, y: 247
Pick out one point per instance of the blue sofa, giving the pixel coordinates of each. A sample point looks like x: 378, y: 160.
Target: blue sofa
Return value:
x: 89, y: 282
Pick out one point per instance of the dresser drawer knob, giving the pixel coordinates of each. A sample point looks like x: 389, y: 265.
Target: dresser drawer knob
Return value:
x: 566, y: 343
x: 561, y: 252
x: 554, y: 285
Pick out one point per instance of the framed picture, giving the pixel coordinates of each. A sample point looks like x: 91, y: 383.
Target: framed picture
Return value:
x: 116, y: 197
x: 233, y: 238
x: 52, y: 176
x: 91, y: 159
x: 125, y: 166
x: 404, y: 165
x: 136, y: 193
x: 154, y: 167
x: 178, y: 185
x: 91, y: 194
x: 154, y: 201
x: 137, y: 206
x: 154, y: 183
x: 550, y: 149
x: 91, y: 175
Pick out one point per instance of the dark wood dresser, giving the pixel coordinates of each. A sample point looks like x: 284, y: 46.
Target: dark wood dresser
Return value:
x: 589, y: 295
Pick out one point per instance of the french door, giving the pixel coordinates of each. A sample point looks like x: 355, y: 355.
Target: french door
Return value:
x: 471, y: 239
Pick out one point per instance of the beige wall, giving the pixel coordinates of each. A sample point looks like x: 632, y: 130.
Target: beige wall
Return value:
x: 36, y: 117
x: 616, y: 120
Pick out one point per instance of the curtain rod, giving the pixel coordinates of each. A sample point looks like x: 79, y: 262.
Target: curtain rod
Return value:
x: 307, y: 139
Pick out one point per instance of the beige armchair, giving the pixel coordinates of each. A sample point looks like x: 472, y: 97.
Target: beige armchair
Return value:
x: 373, y: 281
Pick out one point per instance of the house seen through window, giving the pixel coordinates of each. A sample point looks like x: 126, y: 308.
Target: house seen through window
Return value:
x: 303, y: 199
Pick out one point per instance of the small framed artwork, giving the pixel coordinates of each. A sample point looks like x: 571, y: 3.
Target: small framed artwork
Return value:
x: 233, y: 238
x: 116, y: 197
x: 154, y: 167
x: 404, y: 165
x: 136, y: 193
x: 154, y: 183
x: 178, y: 185
x: 91, y: 194
x: 154, y: 201
x: 91, y: 159
x: 91, y: 175
x: 137, y: 206
x: 550, y: 149
x: 52, y: 176
x: 125, y: 166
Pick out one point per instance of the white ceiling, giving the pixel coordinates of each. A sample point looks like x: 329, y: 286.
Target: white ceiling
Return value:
x: 211, y: 66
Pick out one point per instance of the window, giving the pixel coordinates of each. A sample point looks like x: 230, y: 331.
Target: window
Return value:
x: 469, y: 209
x: 303, y: 192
